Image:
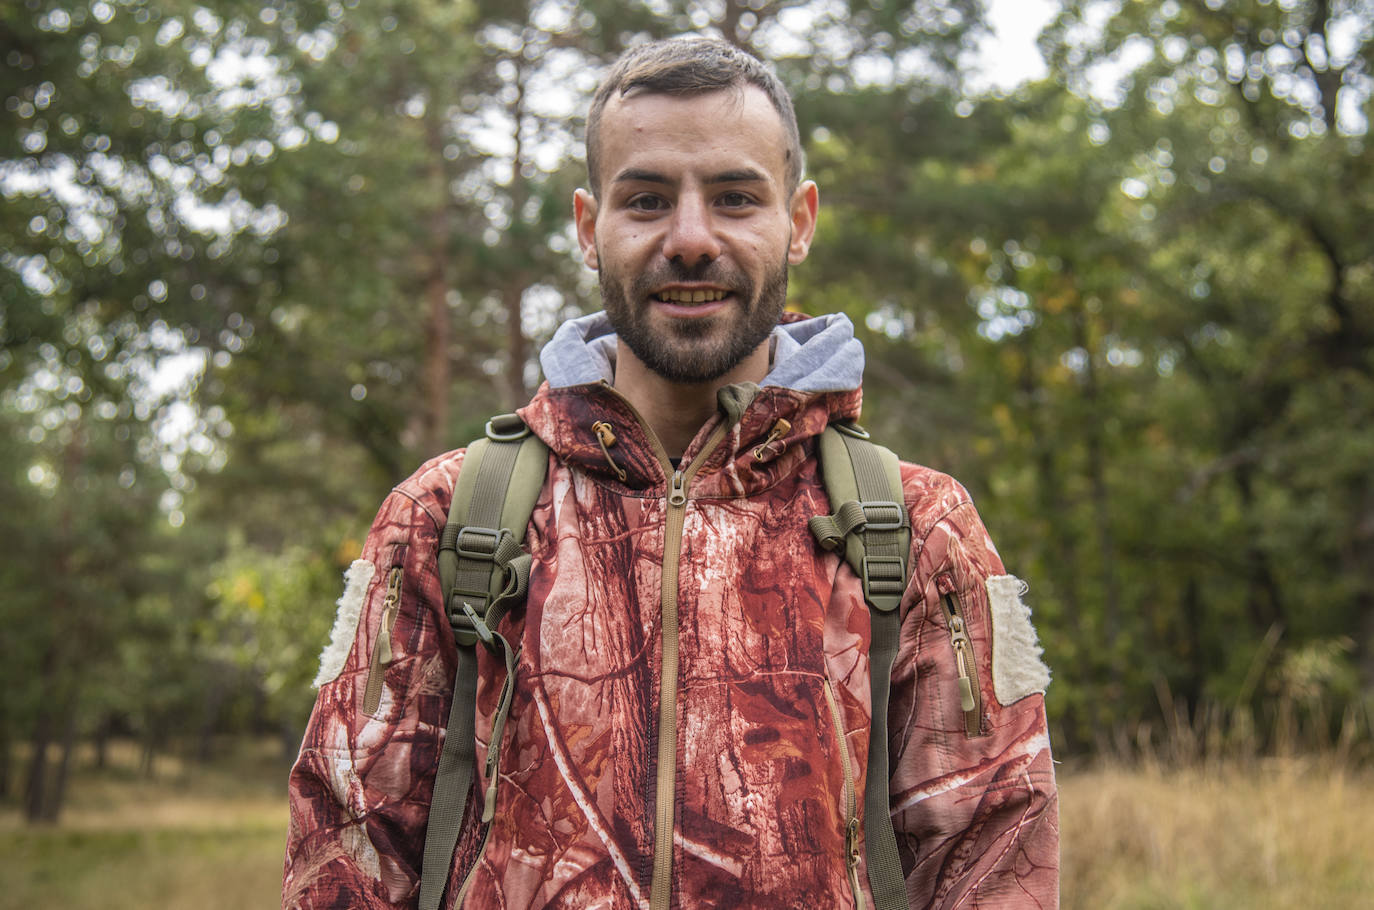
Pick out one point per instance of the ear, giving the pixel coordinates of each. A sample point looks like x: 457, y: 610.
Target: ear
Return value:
x: 584, y: 216
x: 805, y: 202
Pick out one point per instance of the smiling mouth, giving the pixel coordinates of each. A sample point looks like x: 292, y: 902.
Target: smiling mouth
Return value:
x: 691, y: 296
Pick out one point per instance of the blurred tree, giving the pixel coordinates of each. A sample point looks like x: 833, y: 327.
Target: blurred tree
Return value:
x: 257, y: 261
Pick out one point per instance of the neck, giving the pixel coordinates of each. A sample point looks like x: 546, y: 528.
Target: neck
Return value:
x: 675, y: 411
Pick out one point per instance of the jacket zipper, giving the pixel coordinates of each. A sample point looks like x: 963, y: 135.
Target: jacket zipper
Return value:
x: 381, y: 648
x: 472, y: 873
x: 970, y: 696
x: 851, y: 807
x: 660, y: 890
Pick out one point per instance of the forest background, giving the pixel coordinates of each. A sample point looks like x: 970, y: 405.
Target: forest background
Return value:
x: 259, y: 260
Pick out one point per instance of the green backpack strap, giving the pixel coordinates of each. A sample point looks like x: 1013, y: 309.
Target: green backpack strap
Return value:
x: 483, y: 572
x: 872, y: 524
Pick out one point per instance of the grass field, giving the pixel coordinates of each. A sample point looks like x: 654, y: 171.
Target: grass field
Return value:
x: 208, y: 838
x: 1262, y: 835
x: 1255, y: 835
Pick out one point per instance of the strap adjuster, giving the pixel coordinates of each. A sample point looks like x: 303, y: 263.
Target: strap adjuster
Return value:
x: 884, y: 580
x: 477, y: 543
x: 883, y: 516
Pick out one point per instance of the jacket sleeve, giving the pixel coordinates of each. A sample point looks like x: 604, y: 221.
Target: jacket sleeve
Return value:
x: 973, y: 796
x: 360, y: 788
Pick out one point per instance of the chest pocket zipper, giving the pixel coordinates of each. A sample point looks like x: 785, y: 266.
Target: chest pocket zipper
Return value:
x: 381, y: 648
x: 970, y: 695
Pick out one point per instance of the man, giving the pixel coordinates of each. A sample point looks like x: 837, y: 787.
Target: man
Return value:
x: 691, y: 710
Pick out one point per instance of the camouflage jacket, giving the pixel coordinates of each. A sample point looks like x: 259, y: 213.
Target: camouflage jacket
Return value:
x: 766, y: 638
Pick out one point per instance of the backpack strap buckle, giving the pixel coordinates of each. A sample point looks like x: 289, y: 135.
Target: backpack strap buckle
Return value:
x: 477, y: 543
x: 883, y: 516
x: 884, y: 580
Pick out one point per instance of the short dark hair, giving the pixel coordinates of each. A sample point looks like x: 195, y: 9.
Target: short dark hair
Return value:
x: 690, y: 66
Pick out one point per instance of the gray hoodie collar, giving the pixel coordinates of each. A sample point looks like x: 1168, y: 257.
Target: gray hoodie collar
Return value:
x: 812, y: 355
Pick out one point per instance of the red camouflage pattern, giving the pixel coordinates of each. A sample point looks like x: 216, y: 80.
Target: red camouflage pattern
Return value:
x: 766, y: 622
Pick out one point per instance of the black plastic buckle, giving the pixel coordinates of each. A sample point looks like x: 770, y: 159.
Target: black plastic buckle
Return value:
x: 477, y: 543
x: 883, y: 516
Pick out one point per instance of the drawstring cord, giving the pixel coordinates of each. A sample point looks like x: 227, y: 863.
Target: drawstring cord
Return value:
x: 765, y: 450
x: 606, y: 436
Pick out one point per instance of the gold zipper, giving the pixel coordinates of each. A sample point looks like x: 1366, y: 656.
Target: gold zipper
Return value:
x: 381, y: 648
x: 970, y: 697
x: 851, y: 807
x: 660, y: 890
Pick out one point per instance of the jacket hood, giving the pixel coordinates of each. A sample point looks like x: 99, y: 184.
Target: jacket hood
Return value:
x: 814, y: 379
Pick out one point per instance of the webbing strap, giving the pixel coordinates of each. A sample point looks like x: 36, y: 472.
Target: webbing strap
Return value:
x: 871, y: 523
x: 884, y: 864
x: 452, y: 781
x: 480, y: 541
x: 884, y: 575
x: 483, y: 572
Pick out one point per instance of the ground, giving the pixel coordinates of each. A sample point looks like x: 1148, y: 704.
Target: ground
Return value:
x: 1253, y: 834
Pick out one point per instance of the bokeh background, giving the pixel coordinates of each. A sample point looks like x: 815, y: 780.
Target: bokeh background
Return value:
x: 1113, y: 263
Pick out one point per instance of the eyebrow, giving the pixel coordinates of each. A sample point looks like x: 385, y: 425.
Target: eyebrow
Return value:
x: 743, y: 175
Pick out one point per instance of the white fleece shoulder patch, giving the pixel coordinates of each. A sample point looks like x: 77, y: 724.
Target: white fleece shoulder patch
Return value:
x: 1017, y: 667
x: 356, y: 580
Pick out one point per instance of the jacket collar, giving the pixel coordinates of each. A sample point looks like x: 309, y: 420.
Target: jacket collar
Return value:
x: 814, y: 380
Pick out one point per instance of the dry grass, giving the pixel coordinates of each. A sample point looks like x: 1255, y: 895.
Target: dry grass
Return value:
x: 208, y: 838
x: 1248, y: 834
x: 1259, y: 834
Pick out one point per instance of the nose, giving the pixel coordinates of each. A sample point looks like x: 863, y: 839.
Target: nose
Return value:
x: 691, y: 237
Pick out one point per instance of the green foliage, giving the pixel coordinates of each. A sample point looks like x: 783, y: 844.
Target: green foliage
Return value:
x: 258, y: 261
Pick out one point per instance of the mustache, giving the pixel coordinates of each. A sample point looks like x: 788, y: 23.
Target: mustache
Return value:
x: 673, y: 271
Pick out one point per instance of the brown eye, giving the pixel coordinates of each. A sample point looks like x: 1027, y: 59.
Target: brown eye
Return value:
x: 646, y: 202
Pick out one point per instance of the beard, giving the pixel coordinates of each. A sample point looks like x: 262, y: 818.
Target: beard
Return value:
x: 691, y: 351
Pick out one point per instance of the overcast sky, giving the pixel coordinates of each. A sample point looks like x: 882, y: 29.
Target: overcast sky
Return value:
x: 1011, y: 57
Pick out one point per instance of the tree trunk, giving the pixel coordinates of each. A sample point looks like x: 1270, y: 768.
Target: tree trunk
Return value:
x: 36, y: 792
x: 214, y: 702
x: 437, y: 369
x: 36, y: 788
x: 148, y: 762
x: 1264, y: 599
x: 101, y: 742
x: 58, y: 797
x: 517, y: 348
x: 1101, y: 496
x: 6, y: 755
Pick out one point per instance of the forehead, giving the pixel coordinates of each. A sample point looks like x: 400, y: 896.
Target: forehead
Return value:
x: 680, y: 135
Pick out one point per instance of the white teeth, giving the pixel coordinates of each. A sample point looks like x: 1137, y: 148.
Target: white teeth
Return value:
x: 691, y: 296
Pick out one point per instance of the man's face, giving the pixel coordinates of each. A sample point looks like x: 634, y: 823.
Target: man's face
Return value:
x: 694, y: 228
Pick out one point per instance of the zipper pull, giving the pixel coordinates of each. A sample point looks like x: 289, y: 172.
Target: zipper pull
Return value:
x: 393, y: 597
x: 489, y: 802
x: 965, y: 691
x: 851, y: 842
x: 677, y: 490
x: 963, y: 648
x: 956, y: 629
